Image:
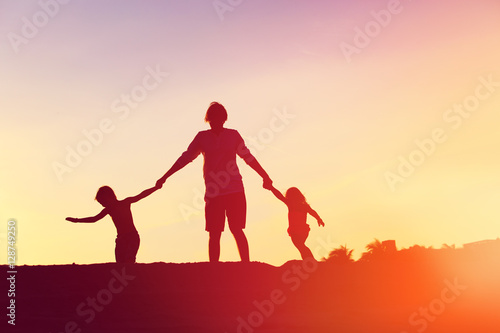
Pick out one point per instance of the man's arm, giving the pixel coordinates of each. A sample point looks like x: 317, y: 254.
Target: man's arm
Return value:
x: 247, y: 156
x: 90, y: 219
x: 254, y: 164
x: 189, y: 155
x: 173, y: 169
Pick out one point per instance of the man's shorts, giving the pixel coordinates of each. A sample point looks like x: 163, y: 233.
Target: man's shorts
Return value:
x: 233, y: 205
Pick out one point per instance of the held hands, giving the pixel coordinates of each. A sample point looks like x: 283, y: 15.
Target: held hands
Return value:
x: 160, y: 182
x: 158, y: 185
x: 268, y: 184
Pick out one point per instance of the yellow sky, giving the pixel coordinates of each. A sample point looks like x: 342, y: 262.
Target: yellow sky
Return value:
x: 336, y: 129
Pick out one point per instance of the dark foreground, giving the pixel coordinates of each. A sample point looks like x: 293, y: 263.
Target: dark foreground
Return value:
x: 458, y: 292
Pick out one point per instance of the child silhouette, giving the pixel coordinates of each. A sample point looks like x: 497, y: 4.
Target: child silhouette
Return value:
x: 298, y: 208
x: 127, y: 239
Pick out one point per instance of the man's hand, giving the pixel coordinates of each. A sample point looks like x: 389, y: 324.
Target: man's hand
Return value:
x: 160, y: 182
x: 268, y: 184
x: 72, y: 219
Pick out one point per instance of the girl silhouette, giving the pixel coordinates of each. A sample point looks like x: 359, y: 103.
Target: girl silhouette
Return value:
x: 298, y: 208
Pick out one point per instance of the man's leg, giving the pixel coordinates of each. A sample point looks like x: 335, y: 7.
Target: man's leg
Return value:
x: 214, y: 245
x: 242, y: 243
x: 236, y: 211
x: 215, y: 219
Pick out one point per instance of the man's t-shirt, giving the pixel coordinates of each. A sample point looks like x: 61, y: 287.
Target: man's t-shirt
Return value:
x: 220, y: 170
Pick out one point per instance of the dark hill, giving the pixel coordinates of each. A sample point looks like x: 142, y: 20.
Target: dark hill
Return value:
x: 441, y: 292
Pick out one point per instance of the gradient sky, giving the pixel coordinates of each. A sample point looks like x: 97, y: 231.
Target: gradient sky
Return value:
x: 352, y: 118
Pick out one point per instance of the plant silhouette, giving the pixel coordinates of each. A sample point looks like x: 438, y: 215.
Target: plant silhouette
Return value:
x: 340, y: 255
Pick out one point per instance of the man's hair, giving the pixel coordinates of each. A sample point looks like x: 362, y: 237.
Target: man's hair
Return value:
x: 216, y: 112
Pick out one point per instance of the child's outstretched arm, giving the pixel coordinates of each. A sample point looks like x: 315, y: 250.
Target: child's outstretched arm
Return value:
x: 90, y: 219
x: 144, y: 193
x: 276, y: 193
x: 316, y: 216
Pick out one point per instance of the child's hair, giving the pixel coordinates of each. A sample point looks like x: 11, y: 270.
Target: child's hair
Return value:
x: 105, y: 194
x: 295, y: 197
x: 216, y: 111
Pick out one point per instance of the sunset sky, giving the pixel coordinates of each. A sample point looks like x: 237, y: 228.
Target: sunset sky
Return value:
x: 384, y: 113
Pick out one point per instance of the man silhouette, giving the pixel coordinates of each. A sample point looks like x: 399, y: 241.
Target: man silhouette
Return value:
x: 224, y: 192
